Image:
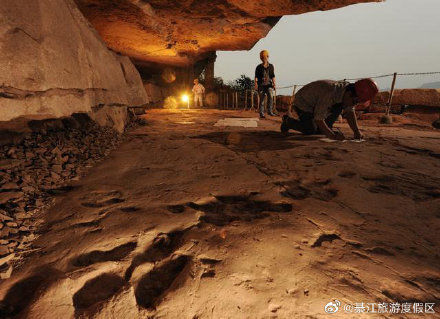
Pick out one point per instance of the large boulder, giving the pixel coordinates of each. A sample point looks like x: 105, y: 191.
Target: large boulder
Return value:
x: 53, y: 64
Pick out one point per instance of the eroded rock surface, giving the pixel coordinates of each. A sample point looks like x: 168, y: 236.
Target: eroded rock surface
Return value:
x: 53, y: 63
x: 181, y: 32
x: 243, y: 227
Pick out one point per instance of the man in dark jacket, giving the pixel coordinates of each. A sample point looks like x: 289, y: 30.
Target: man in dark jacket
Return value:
x: 319, y: 104
x: 265, y: 83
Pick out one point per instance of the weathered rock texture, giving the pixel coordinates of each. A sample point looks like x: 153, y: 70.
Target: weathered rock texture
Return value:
x: 38, y: 165
x: 182, y: 32
x: 416, y: 97
x: 53, y: 63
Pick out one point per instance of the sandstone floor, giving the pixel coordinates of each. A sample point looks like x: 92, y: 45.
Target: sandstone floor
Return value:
x: 189, y: 220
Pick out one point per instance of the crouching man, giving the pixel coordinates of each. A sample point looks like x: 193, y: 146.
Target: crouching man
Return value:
x: 319, y: 104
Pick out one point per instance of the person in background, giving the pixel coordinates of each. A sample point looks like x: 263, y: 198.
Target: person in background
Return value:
x: 265, y: 83
x: 319, y: 104
x: 198, y: 91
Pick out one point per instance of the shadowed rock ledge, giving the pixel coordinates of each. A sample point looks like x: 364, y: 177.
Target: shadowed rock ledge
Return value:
x: 182, y: 32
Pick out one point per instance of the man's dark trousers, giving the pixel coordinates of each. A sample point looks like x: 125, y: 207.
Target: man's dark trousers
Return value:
x: 306, y: 123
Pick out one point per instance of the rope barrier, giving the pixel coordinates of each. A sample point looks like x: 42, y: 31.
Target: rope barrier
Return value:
x: 420, y: 73
x: 371, y: 77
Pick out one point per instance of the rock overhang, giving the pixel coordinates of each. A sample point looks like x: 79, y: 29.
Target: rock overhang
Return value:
x: 179, y: 33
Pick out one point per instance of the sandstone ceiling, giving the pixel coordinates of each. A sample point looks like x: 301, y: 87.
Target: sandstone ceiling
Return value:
x: 181, y: 32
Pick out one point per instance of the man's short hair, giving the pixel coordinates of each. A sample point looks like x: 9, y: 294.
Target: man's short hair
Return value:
x: 264, y: 53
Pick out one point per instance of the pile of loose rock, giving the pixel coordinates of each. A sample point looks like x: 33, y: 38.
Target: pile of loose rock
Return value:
x: 38, y: 165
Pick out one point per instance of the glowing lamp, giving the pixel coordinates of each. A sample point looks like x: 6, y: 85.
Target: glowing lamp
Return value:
x: 185, y: 98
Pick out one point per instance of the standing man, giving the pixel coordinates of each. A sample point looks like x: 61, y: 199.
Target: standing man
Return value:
x: 319, y: 104
x: 198, y: 90
x: 265, y: 83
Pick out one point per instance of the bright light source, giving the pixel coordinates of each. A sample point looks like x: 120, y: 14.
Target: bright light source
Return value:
x: 185, y: 98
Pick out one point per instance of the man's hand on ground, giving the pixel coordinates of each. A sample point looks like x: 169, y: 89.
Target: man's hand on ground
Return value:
x: 338, y: 136
x: 358, y: 135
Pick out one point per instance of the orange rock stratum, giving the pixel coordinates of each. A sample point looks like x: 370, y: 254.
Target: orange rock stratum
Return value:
x: 178, y: 32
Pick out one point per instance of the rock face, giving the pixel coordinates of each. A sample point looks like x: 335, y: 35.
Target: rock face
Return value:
x: 416, y: 97
x: 53, y: 63
x: 181, y: 32
x: 39, y: 166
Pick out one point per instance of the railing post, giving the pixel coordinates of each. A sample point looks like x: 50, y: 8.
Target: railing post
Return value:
x: 258, y: 102
x: 292, y: 99
x: 294, y: 91
x: 232, y: 100
x: 390, y: 100
x: 236, y: 100
x: 245, y: 99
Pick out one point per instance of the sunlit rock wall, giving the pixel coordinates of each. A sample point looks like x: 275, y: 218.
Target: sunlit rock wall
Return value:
x: 53, y: 63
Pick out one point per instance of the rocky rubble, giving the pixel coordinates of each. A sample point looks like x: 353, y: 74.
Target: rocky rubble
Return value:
x: 39, y: 166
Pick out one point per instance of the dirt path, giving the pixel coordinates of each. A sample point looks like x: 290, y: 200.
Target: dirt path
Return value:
x: 189, y: 220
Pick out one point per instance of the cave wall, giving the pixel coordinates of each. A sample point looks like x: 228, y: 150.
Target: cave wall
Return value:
x: 53, y: 63
x: 183, y: 32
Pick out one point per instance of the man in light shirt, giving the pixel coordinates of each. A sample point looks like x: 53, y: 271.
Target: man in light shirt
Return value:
x: 198, y: 90
x: 319, y: 104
